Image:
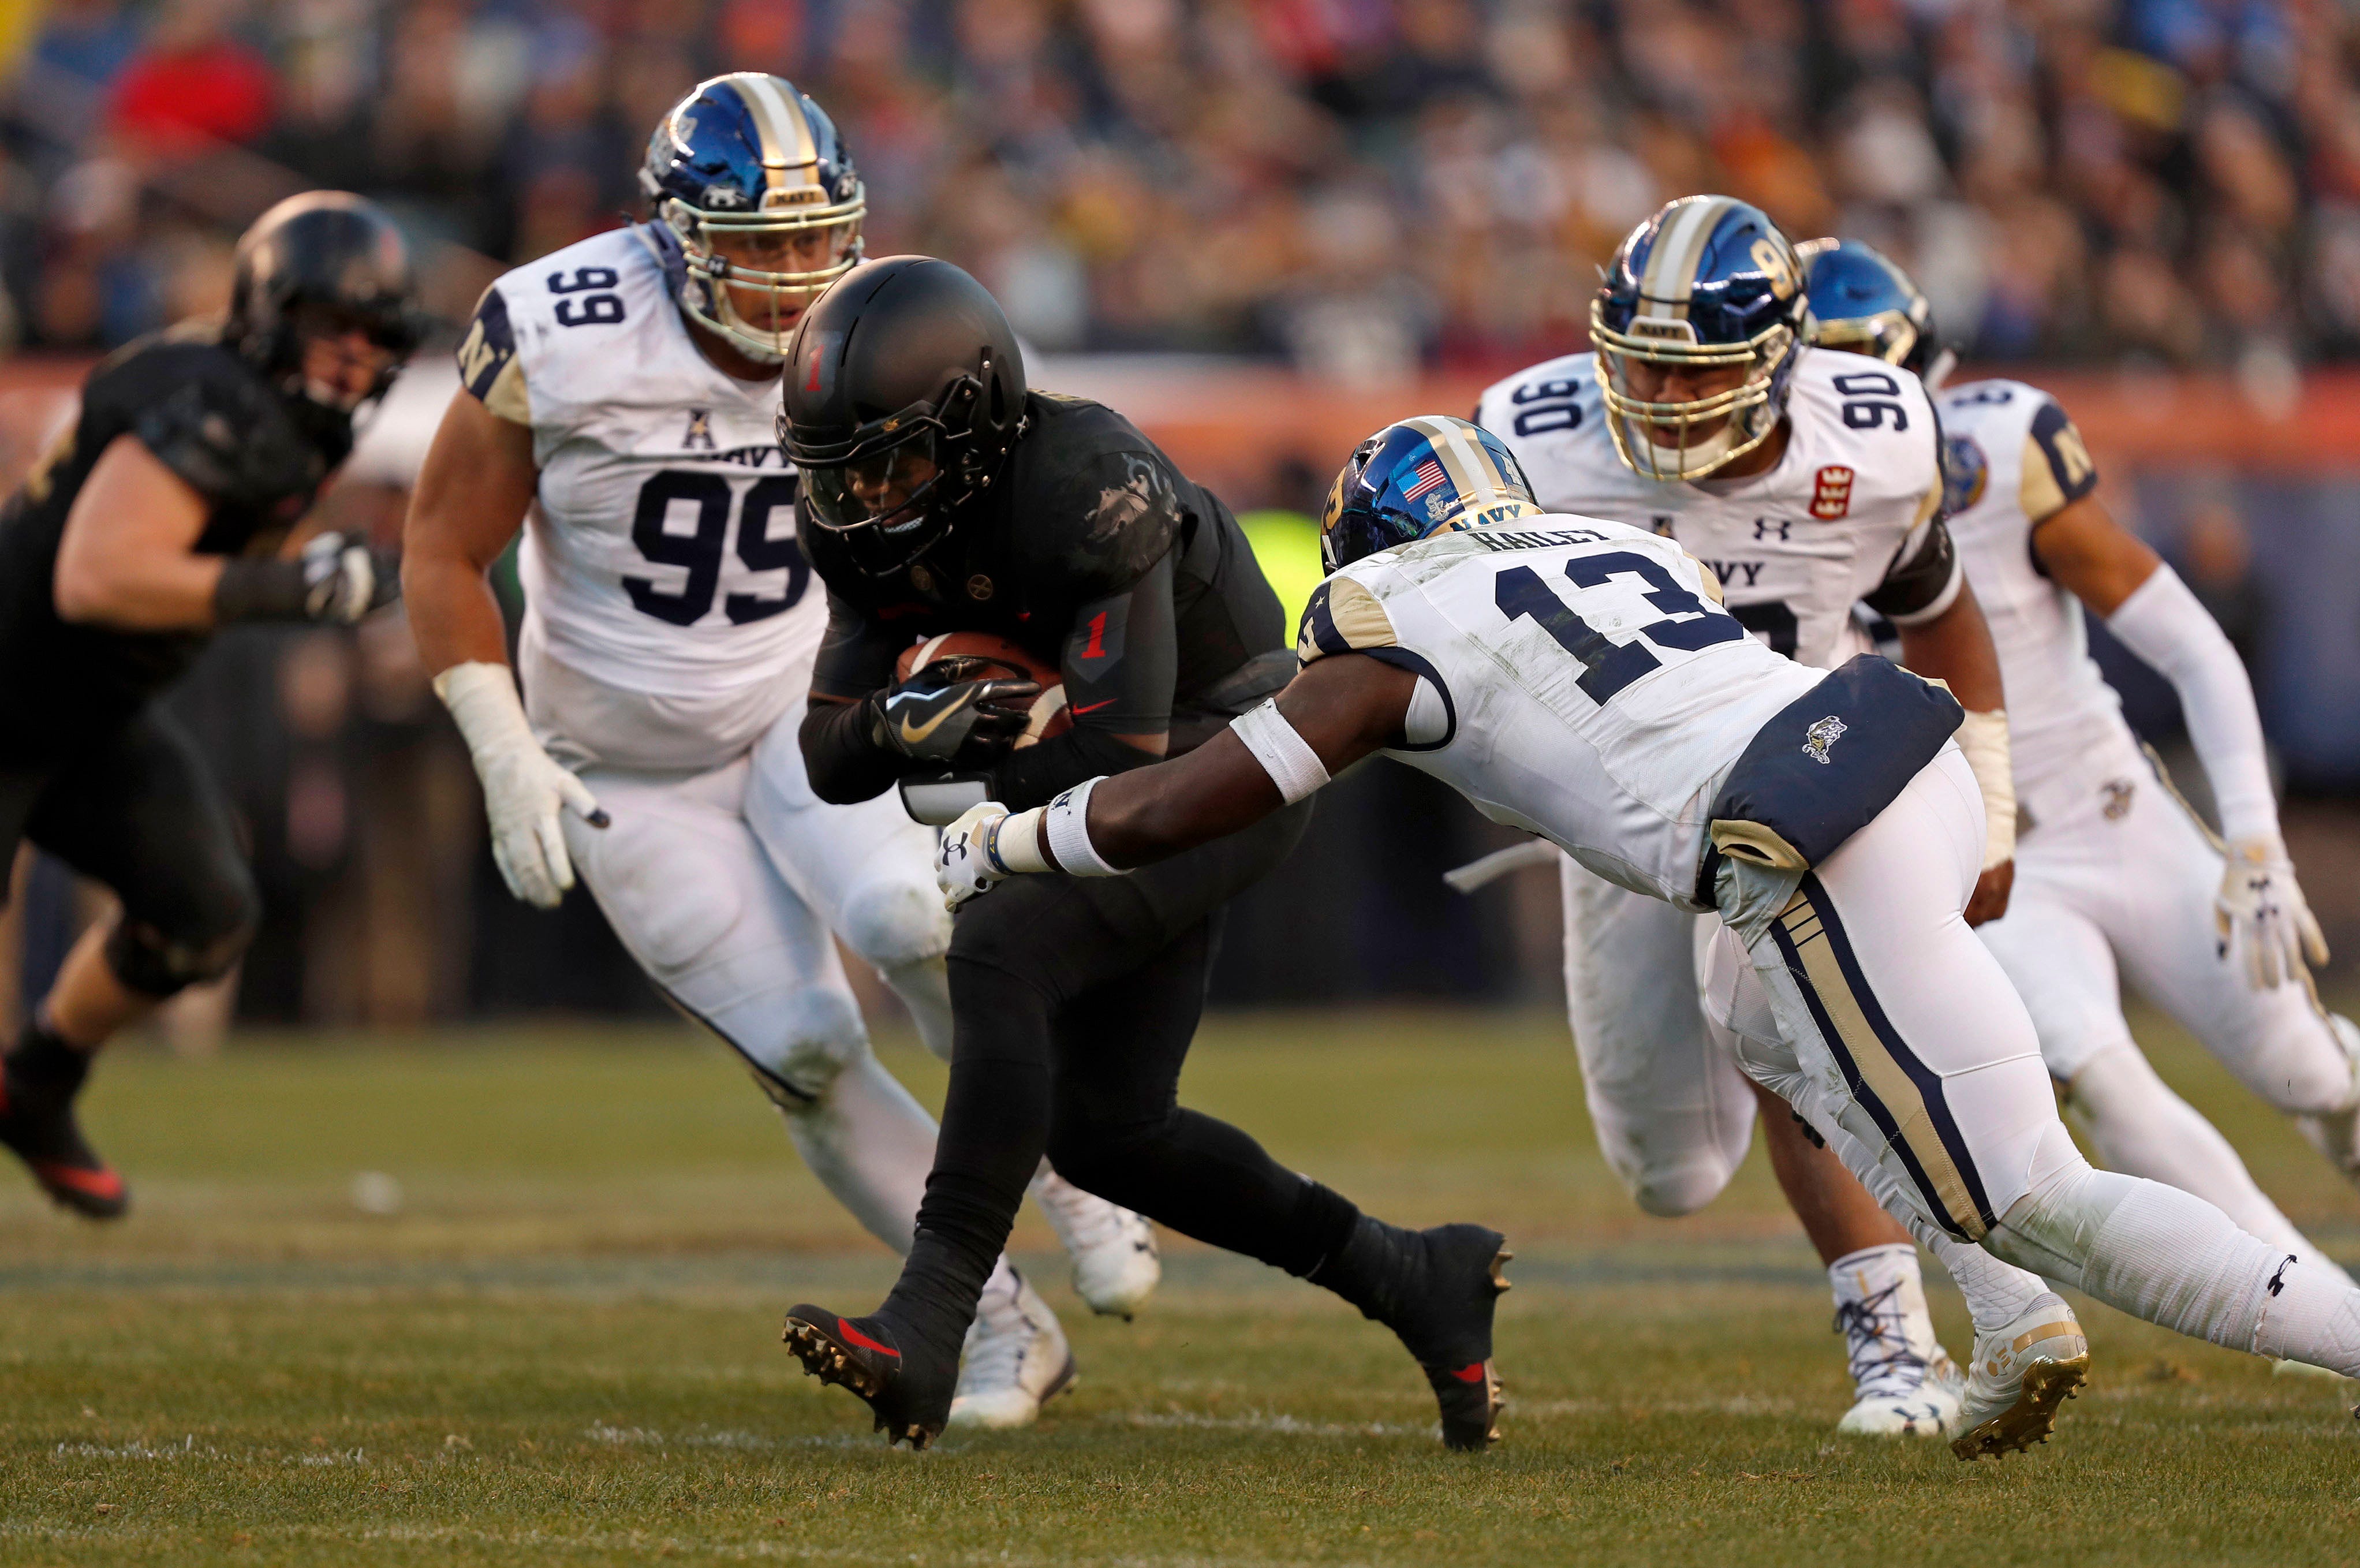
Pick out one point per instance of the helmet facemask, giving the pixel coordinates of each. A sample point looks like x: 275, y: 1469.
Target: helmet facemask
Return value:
x: 1707, y: 433
x: 888, y: 490
x: 784, y: 254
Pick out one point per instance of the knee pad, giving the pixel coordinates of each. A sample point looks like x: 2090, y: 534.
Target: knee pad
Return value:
x: 894, y: 922
x: 2066, y: 1203
x: 1674, y: 1192
x: 161, y: 960
x: 805, y: 1046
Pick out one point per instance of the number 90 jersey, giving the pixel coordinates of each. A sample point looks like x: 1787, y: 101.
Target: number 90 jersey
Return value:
x: 1578, y: 680
x: 669, y: 616
x: 1851, y: 512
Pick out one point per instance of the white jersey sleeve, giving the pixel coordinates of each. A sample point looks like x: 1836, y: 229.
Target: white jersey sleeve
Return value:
x: 1850, y: 511
x: 1593, y: 692
x: 2012, y: 461
x: 659, y: 558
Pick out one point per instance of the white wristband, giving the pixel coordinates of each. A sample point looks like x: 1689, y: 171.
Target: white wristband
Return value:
x: 1983, y: 737
x: 1069, y: 832
x: 1284, y: 755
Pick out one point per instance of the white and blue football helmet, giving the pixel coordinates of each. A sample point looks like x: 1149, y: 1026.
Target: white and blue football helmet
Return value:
x: 745, y: 160
x: 1857, y: 300
x: 1706, y: 285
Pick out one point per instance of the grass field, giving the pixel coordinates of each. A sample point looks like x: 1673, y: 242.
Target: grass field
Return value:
x: 562, y: 1347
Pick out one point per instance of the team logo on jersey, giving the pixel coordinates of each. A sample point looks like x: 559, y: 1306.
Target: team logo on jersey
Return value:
x: 2118, y: 793
x: 1831, y: 494
x: 699, y: 436
x: 1965, y: 472
x: 1822, y: 734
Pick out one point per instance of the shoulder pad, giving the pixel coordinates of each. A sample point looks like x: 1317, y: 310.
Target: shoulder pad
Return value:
x: 488, y: 366
x: 229, y: 436
x: 1343, y: 617
x: 2058, y: 470
x: 1099, y: 520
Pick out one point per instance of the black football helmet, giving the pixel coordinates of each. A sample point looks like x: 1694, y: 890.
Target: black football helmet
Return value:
x: 326, y: 262
x: 904, y: 392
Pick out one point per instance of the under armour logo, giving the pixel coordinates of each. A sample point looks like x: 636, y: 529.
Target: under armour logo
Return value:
x: 2277, y: 1281
x: 1822, y: 734
x: 700, y: 431
x: 2118, y: 793
x: 1763, y: 526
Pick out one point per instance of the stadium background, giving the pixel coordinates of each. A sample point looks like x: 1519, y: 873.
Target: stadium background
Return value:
x: 1262, y: 227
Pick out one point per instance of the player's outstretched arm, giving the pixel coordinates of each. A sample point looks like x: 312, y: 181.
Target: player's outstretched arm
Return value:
x: 472, y: 494
x: 1335, y: 712
x: 2143, y: 601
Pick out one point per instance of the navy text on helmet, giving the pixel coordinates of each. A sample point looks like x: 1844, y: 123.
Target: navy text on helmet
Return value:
x: 1421, y: 477
x: 1694, y: 332
x: 1861, y: 301
x: 753, y: 181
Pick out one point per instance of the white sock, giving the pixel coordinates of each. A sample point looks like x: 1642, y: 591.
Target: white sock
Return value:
x: 1997, y: 1293
x: 924, y: 988
x: 871, y: 1145
x: 2173, y: 1259
x: 2141, y: 1128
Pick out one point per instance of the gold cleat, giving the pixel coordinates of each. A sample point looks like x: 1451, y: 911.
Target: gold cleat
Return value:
x: 2020, y: 1376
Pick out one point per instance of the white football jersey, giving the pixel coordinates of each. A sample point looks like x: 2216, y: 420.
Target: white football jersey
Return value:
x: 1592, y: 690
x: 2014, y: 460
x: 1850, y: 512
x: 660, y: 569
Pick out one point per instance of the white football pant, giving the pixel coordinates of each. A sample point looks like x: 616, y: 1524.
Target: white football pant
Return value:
x: 1899, y: 1031
x: 2116, y: 871
x: 1673, y: 1114
x: 724, y: 886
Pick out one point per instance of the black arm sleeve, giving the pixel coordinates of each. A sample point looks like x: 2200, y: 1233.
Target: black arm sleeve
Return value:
x: 857, y: 655
x: 1038, y: 775
x: 844, y: 765
x: 1912, y: 586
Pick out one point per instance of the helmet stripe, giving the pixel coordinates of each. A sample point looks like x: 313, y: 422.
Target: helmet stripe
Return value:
x: 1670, y: 276
x: 1471, y: 469
x: 787, y: 144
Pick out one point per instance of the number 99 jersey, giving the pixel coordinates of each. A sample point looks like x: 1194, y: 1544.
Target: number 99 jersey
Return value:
x: 669, y: 616
x: 1851, y: 512
x: 1578, y: 680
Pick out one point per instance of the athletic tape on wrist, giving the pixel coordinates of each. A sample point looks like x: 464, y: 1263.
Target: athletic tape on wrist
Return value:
x: 1069, y: 832
x: 1015, y: 846
x: 1284, y: 755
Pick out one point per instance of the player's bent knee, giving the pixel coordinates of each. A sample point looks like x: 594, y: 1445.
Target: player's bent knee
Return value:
x: 807, y: 1046
x: 893, y: 923
x: 1676, y: 1191
x: 201, y: 941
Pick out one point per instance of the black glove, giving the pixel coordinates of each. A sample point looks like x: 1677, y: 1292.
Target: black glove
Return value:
x: 951, y: 713
x: 336, y: 579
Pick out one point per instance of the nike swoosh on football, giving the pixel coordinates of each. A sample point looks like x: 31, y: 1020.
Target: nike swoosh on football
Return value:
x: 930, y: 725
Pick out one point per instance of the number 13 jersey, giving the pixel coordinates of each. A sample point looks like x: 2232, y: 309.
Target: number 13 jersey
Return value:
x: 669, y: 616
x: 1577, y: 681
x: 1851, y: 512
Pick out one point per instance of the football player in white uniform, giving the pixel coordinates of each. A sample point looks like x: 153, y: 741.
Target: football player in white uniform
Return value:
x: 2111, y: 866
x: 622, y: 394
x: 1575, y: 678
x: 1807, y: 483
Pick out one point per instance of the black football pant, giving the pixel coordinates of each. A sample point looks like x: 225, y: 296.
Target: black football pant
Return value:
x: 134, y: 806
x: 1073, y: 1000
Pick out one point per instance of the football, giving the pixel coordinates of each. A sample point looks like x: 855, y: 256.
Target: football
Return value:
x: 1048, y: 714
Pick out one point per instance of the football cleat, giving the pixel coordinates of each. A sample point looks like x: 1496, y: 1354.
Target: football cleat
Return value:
x: 911, y: 1396
x: 38, y: 1125
x: 1116, y: 1265
x: 1444, y: 1286
x: 1906, y: 1385
x: 2021, y: 1375
x: 1015, y: 1362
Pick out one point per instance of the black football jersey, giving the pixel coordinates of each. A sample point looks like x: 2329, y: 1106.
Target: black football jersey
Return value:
x: 257, y: 457
x: 1049, y: 557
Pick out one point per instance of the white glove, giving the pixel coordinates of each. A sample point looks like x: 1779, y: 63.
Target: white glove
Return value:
x: 342, y: 581
x: 523, y: 788
x: 965, y: 864
x: 2260, y: 908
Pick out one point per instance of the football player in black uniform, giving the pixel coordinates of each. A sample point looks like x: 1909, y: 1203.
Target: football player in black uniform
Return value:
x: 159, y: 517
x: 940, y: 494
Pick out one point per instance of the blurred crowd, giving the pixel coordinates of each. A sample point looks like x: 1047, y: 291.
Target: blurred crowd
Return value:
x: 1363, y: 187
